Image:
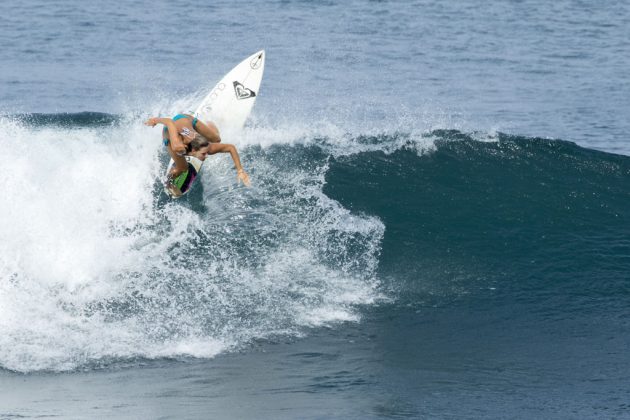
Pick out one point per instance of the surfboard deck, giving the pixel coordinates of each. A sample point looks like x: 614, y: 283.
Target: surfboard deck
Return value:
x: 228, y: 106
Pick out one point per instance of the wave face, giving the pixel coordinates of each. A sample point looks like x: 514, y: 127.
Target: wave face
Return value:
x: 513, y: 219
x: 98, y: 267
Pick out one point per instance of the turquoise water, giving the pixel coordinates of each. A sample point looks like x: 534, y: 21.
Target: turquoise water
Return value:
x: 438, y: 224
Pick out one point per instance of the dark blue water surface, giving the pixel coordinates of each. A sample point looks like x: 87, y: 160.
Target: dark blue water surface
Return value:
x: 439, y: 223
x: 527, y: 67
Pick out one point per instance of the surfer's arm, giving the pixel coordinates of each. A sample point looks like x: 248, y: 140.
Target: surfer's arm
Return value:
x: 231, y: 149
x: 176, y: 142
x: 153, y: 121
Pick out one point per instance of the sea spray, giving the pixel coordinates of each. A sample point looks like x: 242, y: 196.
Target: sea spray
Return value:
x: 97, y: 266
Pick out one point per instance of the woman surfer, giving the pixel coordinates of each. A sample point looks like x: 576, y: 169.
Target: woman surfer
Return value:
x: 181, y: 130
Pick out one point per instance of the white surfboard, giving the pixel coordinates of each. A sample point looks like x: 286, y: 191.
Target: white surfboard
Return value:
x: 229, y: 103
x: 228, y: 106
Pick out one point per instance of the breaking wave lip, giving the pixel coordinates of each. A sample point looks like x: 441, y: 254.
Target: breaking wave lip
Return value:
x: 98, y: 267
x: 557, y: 211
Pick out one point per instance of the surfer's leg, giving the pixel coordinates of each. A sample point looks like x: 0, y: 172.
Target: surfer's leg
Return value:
x: 208, y: 130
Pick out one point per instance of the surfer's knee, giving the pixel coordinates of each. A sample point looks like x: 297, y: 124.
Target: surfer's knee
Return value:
x: 212, y: 133
x: 215, y: 137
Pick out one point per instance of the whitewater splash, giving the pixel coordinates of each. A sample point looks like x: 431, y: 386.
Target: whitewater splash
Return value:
x: 96, y: 266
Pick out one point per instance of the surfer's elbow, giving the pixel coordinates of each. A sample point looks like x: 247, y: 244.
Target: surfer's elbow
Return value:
x: 227, y: 148
x: 168, y: 123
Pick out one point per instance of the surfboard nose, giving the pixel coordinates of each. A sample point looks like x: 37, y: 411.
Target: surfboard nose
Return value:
x: 258, y: 60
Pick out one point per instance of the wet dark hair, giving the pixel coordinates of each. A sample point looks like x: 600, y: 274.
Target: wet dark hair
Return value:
x: 197, y: 143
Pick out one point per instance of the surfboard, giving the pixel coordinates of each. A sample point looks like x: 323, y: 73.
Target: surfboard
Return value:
x: 182, y: 184
x: 228, y: 106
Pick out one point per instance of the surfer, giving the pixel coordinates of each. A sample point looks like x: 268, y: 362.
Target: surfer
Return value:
x: 181, y: 130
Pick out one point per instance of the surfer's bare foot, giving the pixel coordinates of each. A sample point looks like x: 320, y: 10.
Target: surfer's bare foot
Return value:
x: 172, y: 188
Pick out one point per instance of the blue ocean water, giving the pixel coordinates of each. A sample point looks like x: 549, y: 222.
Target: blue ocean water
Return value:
x: 438, y: 225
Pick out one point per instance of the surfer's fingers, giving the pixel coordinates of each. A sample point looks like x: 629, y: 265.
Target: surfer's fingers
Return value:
x: 244, y: 178
x: 179, y: 149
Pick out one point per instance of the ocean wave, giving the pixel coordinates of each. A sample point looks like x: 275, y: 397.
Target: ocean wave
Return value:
x: 521, y: 218
x: 100, y: 266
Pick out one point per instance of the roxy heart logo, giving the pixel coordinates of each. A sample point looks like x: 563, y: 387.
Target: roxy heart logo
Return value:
x: 242, y: 92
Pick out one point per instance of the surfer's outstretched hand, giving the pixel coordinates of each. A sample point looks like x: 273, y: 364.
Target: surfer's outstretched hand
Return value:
x: 151, y: 122
x: 242, y: 176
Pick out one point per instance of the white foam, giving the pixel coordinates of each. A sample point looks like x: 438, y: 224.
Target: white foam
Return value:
x: 92, y: 269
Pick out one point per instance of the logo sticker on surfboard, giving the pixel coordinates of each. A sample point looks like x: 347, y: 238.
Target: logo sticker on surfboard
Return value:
x: 242, y: 92
x: 256, y: 62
